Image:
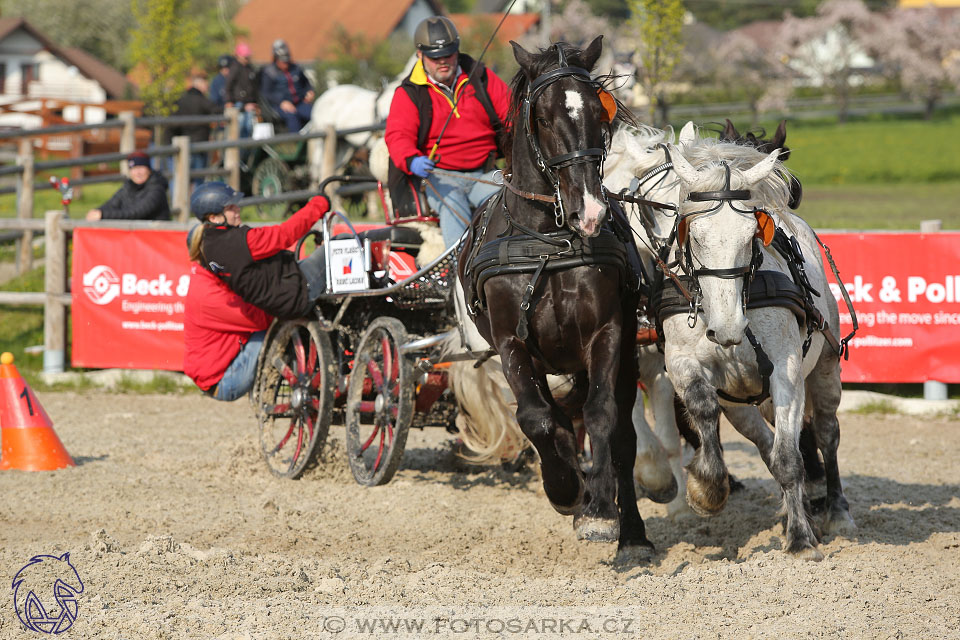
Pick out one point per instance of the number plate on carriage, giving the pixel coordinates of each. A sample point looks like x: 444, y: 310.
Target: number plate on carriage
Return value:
x: 347, y: 270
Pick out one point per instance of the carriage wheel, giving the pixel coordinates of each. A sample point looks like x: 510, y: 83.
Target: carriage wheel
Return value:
x: 271, y: 178
x: 379, y: 403
x: 294, y: 394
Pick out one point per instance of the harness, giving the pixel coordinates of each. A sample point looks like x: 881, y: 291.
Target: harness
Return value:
x: 760, y: 288
x: 532, y: 251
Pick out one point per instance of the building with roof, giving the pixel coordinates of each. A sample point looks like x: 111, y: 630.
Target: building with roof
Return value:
x: 306, y: 25
x: 33, y: 68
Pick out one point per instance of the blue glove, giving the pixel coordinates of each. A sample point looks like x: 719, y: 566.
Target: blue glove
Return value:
x: 421, y: 166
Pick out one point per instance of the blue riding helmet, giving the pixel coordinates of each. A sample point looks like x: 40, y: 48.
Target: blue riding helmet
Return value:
x: 212, y: 197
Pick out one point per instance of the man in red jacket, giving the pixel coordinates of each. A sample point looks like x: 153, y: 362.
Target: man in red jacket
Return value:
x: 420, y: 107
x: 242, y: 278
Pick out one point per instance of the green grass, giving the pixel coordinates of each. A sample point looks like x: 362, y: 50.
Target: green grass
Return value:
x: 876, y: 206
x: 88, y: 197
x: 882, y: 407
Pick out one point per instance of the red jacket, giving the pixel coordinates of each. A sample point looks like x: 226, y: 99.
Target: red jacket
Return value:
x: 217, y: 322
x: 469, y: 138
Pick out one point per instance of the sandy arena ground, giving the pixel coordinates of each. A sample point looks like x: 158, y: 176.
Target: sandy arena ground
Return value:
x: 178, y: 530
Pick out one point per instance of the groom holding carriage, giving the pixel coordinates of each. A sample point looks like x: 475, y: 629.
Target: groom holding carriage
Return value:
x: 444, y: 81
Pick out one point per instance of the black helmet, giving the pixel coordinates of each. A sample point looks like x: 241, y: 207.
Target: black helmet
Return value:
x: 436, y: 37
x: 224, y: 61
x: 280, y: 50
x: 212, y: 197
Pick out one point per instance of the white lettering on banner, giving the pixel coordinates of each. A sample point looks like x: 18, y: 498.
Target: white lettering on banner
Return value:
x: 151, y: 325
x: 130, y: 285
x: 918, y: 290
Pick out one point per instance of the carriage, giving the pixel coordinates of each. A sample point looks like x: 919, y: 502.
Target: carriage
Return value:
x: 369, y: 357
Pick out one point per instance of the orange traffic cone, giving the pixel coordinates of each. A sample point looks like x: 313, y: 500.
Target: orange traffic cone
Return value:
x: 29, y: 441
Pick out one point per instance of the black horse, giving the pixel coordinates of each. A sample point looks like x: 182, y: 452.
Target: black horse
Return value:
x: 548, y: 284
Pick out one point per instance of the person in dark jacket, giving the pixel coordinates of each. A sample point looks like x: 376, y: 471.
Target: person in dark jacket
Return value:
x: 218, y: 86
x: 194, y: 102
x: 242, y: 88
x: 286, y: 88
x: 243, y: 277
x: 143, y: 195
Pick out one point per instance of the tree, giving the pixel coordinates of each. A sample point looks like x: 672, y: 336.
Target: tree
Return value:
x: 356, y: 60
x: 758, y: 73
x: 657, y: 26
x: 99, y: 27
x: 162, y: 43
x: 828, y: 48
x: 920, y: 47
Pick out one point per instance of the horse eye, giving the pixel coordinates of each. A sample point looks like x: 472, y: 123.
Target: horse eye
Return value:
x: 542, y: 122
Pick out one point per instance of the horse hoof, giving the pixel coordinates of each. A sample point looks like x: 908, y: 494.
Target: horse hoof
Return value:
x: 706, y: 499
x: 840, y: 523
x: 597, y: 529
x: 635, y: 554
x: 662, y: 495
x: 807, y: 552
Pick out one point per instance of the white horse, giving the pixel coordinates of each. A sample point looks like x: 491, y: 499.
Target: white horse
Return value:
x: 723, y: 186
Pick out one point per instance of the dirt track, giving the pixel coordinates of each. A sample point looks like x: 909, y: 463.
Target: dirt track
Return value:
x: 178, y: 531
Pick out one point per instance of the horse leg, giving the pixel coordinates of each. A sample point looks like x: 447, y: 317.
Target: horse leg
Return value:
x: 707, y: 486
x: 666, y: 423
x: 786, y: 465
x: 633, y: 545
x: 539, y: 419
x: 652, y: 473
x: 598, y: 519
x: 824, y: 389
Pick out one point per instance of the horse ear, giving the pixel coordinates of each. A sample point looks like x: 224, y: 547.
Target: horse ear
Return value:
x: 592, y: 53
x: 683, y: 168
x: 780, y: 136
x: 687, y: 134
x: 730, y: 133
x: 524, y: 58
x: 761, y: 170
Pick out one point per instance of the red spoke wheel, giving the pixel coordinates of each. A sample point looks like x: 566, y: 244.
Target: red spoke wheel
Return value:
x: 293, y: 395
x: 379, y: 403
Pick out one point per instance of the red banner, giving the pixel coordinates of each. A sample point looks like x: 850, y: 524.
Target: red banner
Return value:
x: 128, y: 291
x: 905, y: 289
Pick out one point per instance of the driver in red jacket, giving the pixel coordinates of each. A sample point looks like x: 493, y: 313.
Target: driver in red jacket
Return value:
x: 241, y: 279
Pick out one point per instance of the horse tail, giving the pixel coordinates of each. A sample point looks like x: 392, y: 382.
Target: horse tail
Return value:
x: 487, y: 418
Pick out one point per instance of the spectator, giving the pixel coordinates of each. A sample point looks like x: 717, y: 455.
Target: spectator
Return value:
x: 218, y: 86
x: 420, y: 111
x: 286, y: 88
x: 194, y: 102
x: 242, y: 88
x: 241, y: 279
x: 143, y: 195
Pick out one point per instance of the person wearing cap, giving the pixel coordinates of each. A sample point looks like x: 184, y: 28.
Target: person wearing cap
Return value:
x: 218, y: 86
x: 242, y: 90
x: 469, y: 146
x: 143, y: 195
x: 286, y: 88
x: 241, y: 279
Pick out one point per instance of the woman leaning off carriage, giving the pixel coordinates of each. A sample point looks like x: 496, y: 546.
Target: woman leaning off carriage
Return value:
x: 241, y: 279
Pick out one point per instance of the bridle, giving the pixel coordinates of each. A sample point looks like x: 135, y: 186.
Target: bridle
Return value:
x: 549, y: 166
x: 748, y: 271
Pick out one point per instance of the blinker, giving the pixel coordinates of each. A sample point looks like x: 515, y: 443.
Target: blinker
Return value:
x: 765, y: 227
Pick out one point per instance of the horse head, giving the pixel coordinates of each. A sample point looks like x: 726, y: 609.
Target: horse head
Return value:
x: 729, y: 194
x: 778, y: 141
x: 564, y: 116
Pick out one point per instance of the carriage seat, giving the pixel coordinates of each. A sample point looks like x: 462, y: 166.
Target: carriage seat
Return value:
x: 405, y: 238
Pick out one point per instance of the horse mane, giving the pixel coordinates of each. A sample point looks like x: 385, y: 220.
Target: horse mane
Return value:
x: 632, y: 146
x: 707, y: 154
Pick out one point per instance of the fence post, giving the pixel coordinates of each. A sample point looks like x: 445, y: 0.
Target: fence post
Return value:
x: 55, y: 279
x: 25, y: 203
x: 128, y: 137
x: 181, y: 177
x: 231, y: 155
x: 933, y: 389
x: 329, y: 164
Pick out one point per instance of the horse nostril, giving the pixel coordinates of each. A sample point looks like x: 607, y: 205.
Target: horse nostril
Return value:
x: 711, y: 335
